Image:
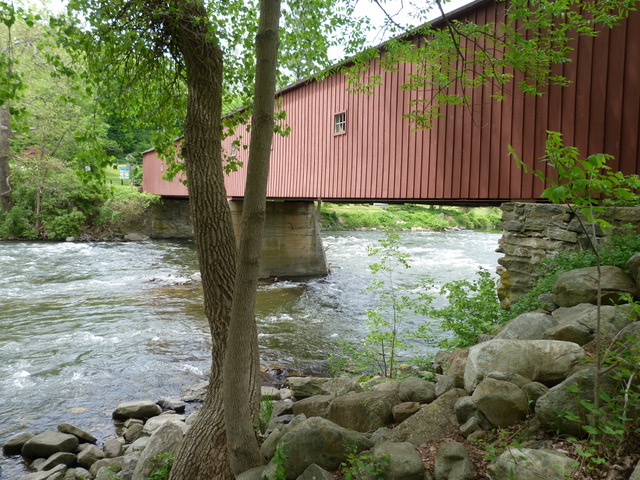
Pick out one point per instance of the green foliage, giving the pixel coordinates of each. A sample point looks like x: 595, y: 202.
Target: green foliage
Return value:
x: 264, y: 415
x: 14, y: 223
x: 473, y: 308
x: 358, y: 465
x: 64, y: 225
x: 123, y: 206
x: 163, y: 471
x: 406, y: 216
x: 279, y: 457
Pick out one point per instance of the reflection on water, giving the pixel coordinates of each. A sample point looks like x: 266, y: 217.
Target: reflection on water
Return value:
x: 82, y: 329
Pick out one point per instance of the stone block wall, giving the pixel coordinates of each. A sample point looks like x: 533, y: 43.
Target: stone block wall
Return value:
x: 534, y: 231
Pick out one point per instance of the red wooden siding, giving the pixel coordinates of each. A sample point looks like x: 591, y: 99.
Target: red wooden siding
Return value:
x: 464, y: 157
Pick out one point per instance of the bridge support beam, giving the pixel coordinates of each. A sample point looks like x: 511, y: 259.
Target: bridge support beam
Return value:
x: 291, y: 245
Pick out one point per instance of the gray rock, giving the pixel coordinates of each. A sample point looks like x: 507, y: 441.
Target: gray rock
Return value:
x: 379, y: 434
x: 61, y: 458
x: 636, y: 471
x: 177, y: 406
x: 113, y: 448
x: 141, y: 409
x: 46, y: 444
x: 561, y: 410
x: 136, y: 237
x: 89, y: 456
x: 539, y: 360
x: 270, y: 444
x: 78, y: 473
x: 518, y: 380
x: 433, y: 422
x: 578, y: 324
x: 414, y: 389
x: 581, y: 286
x: 546, y: 302
x: 318, y: 441
x: 303, y: 387
x: 77, y: 432
x: 534, y: 390
x: 315, y: 406
x: 465, y: 408
x: 633, y: 265
x: 129, y: 463
x: 399, y: 461
x: 404, y: 410
x: 282, y: 407
x: 453, y: 463
x: 113, y: 464
x: 448, y: 382
x: 56, y: 473
x: 196, y: 393
x: 341, y: 386
x: 503, y: 403
x: 14, y: 444
x: 470, y: 426
x: 154, y: 423
x: 106, y: 473
x: 166, y: 439
x: 347, y: 410
x: 530, y: 464
x: 528, y: 326
x: 252, y: 474
x: 133, y: 432
x: 139, y: 445
x: 315, y: 472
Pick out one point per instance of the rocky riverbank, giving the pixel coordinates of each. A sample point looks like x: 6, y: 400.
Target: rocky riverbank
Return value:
x: 520, y: 405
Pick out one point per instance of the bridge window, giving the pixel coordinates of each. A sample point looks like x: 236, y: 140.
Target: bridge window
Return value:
x: 340, y: 123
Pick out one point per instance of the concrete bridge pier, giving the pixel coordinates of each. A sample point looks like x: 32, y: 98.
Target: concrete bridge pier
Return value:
x: 291, y: 245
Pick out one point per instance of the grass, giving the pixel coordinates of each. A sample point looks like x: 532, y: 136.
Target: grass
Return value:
x: 406, y: 217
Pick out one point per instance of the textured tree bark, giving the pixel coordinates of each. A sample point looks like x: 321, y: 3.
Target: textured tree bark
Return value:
x: 241, y: 366
x: 204, y: 453
x: 6, y: 199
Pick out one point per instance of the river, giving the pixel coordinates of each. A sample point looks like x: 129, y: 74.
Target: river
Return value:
x: 82, y: 327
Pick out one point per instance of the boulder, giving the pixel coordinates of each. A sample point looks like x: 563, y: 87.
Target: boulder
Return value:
x: 581, y: 286
x: 77, y: 432
x: 315, y: 406
x: 166, y: 439
x: 252, y: 474
x: 404, y: 410
x: 364, y: 412
x: 528, y: 326
x: 546, y: 361
x: 89, y: 456
x: 113, y: 464
x: 465, y: 408
x: 139, y: 445
x: 399, y: 461
x: 633, y: 265
x: 13, y: 445
x: 561, y: 409
x: 133, y: 432
x: 78, y: 473
x: 56, y: 473
x: 515, y: 378
x: 534, y: 390
x: 154, y: 423
x: 268, y: 447
x: 414, y: 389
x: 318, y: 441
x: 341, y: 386
x: 303, y: 387
x: 61, y: 458
x: 113, y: 448
x: 46, y: 444
x: 140, y: 409
x: 531, y: 464
x: 177, y: 406
x: 196, y: 393
x: 433, y: 422
x: 448, y: 382
x: 503, y: 403
x: 453, y: 463
x: 129, y: 463
x: 578, y: 324
x: 470, y: 427
x: 314, y: 472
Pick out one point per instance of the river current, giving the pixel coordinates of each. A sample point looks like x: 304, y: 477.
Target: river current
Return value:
x: 83, y: 327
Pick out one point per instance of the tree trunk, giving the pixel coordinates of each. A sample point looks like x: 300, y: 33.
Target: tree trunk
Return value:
x: 6, y: 199
x: 203, y: 455
x: 241, y: 366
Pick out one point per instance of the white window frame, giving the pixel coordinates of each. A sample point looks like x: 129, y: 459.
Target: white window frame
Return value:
x: 340, y: 123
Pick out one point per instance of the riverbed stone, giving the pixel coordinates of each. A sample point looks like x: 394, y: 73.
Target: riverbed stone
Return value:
x: 60, y: 458
x: 46, y: 444
x: 315, y: 406
x: 56, y: 473
x: 546, y: 361
x: 133, y: 432
x: 13, y: 445
x: 528, y: 326
x: 176, y: 405
x: 114, y: 464
x: 399, y: 461
x: 318, y: 441
x: 113, y: 448
x: 364, y: 412
x: 129, y: 463
x: 453, y: 463
x: 77, y: 473
x: 154, y: 423
x: 433, y: 422
x: 139, y: 445
x: 89, y: 456
x: 166, y: 439
x: 83, y: 436
x: 303, y: 387
x: 142, y: 409
x: 503, y: 403
x: 531, y: 464
x: 581, y: 286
